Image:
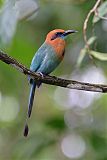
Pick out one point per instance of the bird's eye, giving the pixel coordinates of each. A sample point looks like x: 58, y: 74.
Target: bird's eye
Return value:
x: 56, y: 35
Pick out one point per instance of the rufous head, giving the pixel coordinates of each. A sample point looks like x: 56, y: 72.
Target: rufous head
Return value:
x: 56, y: 39
x: 58, y: 34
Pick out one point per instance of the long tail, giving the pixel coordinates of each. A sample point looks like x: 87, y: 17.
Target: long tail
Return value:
x: 30, y: 105
x: 31, y: 98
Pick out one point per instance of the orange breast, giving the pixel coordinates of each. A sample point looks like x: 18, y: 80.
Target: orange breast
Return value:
x: 59, y: 47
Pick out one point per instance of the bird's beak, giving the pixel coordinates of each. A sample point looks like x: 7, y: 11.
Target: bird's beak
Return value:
x: 69, y: 32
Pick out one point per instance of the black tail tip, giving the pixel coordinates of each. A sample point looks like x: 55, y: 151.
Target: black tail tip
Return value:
x: 26, y: 130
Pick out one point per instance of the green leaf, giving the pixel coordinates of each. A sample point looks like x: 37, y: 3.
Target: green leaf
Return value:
x: 81, y: 56
x: 98, y: 55
x: 83, y: 51
x: 91, y: 40
x: 102, y: 10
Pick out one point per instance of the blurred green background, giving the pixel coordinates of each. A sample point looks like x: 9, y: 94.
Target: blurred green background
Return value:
x: 65, y: 124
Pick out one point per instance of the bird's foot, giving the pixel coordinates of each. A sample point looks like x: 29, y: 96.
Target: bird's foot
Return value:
x: 30, y: 80
x: 41, y: 74
x: 39, y: 83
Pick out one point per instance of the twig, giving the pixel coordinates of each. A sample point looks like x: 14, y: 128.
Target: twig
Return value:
x: 86, y: 22
x: 52, y: 80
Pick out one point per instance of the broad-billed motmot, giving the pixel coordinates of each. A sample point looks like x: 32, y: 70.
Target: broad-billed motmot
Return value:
x: 46, y: 59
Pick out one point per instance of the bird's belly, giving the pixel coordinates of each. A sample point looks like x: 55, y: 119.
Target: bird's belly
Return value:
x: 49, y: 64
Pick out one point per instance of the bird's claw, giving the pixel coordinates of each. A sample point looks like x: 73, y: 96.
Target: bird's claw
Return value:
x: 30, y: 80
x: 41, y: 74
x: 39, y: 82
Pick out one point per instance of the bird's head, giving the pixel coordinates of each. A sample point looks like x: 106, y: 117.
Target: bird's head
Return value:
x: 56, y: 39
x: 58, y: 34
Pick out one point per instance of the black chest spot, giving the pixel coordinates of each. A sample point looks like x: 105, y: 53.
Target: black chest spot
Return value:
x: 63, y: 53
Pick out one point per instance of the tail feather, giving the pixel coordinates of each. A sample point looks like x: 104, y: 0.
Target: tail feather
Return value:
x: 30, y: 104
x: 31, y: 98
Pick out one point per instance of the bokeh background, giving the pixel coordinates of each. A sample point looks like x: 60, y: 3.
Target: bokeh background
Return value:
x: 65, y: 124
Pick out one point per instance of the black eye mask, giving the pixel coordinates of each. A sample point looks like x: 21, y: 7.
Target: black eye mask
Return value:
x: 56, y: 35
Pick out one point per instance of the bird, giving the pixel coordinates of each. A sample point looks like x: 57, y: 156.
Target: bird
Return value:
x: 46, y: 60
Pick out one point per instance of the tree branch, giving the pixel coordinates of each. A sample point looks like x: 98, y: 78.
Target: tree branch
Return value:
x: 52, y: 80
